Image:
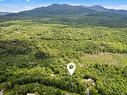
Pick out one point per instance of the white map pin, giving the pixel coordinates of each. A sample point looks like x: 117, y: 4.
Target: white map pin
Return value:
x: 71, y: 68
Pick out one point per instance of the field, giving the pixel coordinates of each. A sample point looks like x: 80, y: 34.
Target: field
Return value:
x: 34, y: 56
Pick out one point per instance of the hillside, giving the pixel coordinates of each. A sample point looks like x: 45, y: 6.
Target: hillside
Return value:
x: 4, y: 13
x: 33, y: 58
x: 68, y: 14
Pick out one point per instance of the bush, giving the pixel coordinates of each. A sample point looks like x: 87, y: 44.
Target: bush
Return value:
x: 14, y: 47
x: 91, y: 48
x: 42, y: 55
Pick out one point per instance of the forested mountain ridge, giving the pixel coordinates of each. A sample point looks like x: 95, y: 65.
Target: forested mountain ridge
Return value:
x: 68, y: 14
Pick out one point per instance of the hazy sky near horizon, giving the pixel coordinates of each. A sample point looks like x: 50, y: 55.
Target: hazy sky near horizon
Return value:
x: 21, y: 5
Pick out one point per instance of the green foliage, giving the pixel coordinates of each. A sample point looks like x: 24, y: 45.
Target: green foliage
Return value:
x: 14, y: 47
x: 42, y: 55
x: 34, y: 56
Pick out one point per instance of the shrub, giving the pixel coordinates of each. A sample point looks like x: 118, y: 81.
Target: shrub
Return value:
x: 42, y: 55
x: 14, y: 47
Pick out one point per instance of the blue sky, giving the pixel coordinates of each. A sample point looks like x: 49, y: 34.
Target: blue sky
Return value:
x: 20, y: 5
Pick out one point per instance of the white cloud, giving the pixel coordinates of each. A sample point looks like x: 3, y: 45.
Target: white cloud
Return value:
x: 118, y: 7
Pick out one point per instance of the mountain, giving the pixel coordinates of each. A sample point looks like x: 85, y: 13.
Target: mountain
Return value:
x: 97, y: 8
x: 55, y: 9
x: 4, y: 13
x: 68, y: 14
x: 65, y: 9
x: 102, y: 9
x: 123, y: 12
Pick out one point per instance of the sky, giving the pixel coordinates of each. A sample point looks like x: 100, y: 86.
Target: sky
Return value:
x: 21, y: 5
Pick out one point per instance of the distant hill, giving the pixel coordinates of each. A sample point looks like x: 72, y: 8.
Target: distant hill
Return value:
x: 4, y: 13
x: 102, y: 9
x: 54, y: 9
x: 60, y: 9
x: 97, y: 8
x: 64, y: 13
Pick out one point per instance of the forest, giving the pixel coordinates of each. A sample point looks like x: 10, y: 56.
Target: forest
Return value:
x: 34, y: 56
